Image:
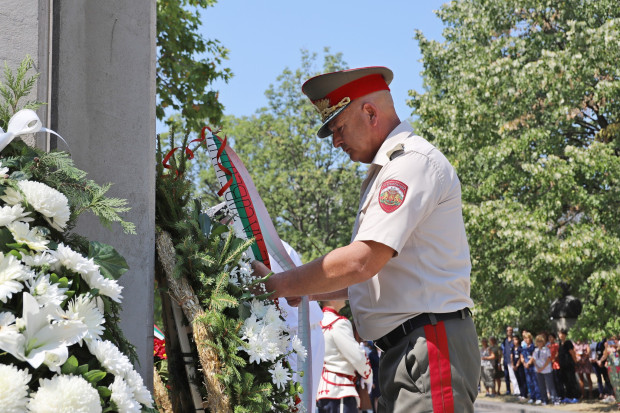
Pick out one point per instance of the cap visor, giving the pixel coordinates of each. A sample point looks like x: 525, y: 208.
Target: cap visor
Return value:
x: 324, y: 131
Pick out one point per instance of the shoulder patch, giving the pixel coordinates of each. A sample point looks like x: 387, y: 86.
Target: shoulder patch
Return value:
x: 392, y: 195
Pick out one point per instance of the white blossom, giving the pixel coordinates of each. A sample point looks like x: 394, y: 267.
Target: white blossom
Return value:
x: 64, y: 393
x: 140, y: 392
x: 84, y: 309
x: 110, y: 357
x: 39, y: 260
x: 12, y: 273
x: 123, y: 397
x: 45, y: 292
x: 23, y: 234
x: 299, y: 349
x: 13, y: 389
x: 279, y: 375
x: 50, y: 203
x: 10, y: 213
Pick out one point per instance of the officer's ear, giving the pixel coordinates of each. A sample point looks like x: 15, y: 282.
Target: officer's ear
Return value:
x: 370, y: 113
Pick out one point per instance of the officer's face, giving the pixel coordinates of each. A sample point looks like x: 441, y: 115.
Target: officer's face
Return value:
x: 351, y: 133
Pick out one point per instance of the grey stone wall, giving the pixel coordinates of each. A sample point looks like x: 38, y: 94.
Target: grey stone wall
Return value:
x: 105, y: 97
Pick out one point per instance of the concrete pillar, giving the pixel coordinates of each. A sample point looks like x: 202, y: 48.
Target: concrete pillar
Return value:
x: 104, y: 97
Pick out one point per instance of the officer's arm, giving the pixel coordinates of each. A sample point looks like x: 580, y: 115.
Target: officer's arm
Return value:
x: 340, y: 268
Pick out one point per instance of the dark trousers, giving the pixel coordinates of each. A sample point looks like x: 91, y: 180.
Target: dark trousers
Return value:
x: 602, y: 375
x: 559, y: 387
x: 569, y: 381
x: 520, y: 374
x: 344, y: 405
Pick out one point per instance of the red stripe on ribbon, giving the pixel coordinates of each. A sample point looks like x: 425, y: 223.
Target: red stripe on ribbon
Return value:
x: 439, y: 367
x: 226, y: 171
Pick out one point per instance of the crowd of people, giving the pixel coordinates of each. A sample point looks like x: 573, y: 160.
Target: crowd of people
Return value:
x: 549, y: 369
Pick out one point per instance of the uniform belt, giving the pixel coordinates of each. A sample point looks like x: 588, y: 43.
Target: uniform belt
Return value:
x: 393, y: 337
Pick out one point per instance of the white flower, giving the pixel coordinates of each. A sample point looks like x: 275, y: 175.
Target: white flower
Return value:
x: 24, y: 235
x: 279, y: 375
x: 272, y: 318
x: 13, y: 389
x: 74, y: 261
x: 63, y: 393
x: 140, y: 392
x: 38, y: 260
x: 12, y: 273
x: 299, y: 349
x: 251, y: 327
x: 256, y: 349
x: 84, y: 309
x: 10, y: 213
x: 3, y: 170
x: 89, y: 271
x: 258, y: 308
x: 50, y: 203
x: 43, y: 338
x: 45, y: 292
x: 122, y: 396
x: 110, y: 357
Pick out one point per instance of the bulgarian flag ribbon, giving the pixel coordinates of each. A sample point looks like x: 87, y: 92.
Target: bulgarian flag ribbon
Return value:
x: 253, y: 220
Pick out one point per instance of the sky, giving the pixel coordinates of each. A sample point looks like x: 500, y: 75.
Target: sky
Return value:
x: 265, y: 37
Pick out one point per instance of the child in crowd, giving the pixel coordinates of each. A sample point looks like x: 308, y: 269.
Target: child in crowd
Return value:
x: 517, y: 366
x: 530, y: 370
x: 544, y: 375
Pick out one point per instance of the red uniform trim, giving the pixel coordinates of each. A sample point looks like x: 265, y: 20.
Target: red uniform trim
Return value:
x: 439, y: 367
x: 357, y: 88
x: 330, y: 325
x: 345, y: 376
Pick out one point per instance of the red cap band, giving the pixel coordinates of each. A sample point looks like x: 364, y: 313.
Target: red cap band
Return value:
x: 357, y: 88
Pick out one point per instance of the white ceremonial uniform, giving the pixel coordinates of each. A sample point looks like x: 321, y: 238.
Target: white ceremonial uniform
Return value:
x: 412, y: 204
x: 317, y: 344
x: 343, y: 359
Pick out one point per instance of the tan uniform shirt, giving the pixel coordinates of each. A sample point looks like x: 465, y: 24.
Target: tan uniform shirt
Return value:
x: 412, y: 204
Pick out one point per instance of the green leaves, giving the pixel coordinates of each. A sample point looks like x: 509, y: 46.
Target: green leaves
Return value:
x: 522, y: 98
x: 72, y: 366
x: 111, y: 264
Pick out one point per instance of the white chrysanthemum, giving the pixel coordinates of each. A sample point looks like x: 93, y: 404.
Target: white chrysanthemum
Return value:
x: 122, y: 396
x: 257, y: 350
x: 140, y: 392
x: 6, y: 318
x: 258, y: 308
x: 251, y: 327
x: 9, y: 213
x: 45, y: 292
x: 50, y: 203
x: 272, y: 317
x: 12, y: 273
x: 13, y: 389
x: 107, y: 287
x: 279, y: 375
x: 39, y: 260
x: 74, y: 261
x: 299, y: 349
x: 85, y: 309
x: 64, y: 393
x: 3, y: 170
x: 24, y: 235
x: 110, y: 357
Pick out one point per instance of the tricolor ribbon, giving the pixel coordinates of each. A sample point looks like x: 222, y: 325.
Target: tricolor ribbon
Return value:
x: 188, y: 151
x: 23, y: 122
x: 252, y: 218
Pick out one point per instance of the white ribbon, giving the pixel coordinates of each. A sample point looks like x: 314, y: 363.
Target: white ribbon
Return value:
x: 22, y: 123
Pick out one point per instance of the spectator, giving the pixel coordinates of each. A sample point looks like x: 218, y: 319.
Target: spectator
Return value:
x: 517, y: 367
x: 601, y: 370
x: 486, y: 368
x: 555, y: 365
x: 612, y: 357
x: 530, y: 370
x: 507, y: 346
x: 567, y: 359
x: 544, y: 372
x: 497, y: 365
x: 373, y: 357
x: 583, y: 368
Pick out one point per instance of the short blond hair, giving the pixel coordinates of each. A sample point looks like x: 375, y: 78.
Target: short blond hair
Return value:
x: 527, y: 334
x: 541, y: 338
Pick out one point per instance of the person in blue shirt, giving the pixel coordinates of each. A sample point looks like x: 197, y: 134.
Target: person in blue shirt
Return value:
x: 530, y: 370
x: 507, y: 346
x: 517, y: 366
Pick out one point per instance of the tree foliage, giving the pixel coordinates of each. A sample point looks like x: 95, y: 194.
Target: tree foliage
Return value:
x: 522, y: 96
x: 310, y: 189
x: 187, y: 63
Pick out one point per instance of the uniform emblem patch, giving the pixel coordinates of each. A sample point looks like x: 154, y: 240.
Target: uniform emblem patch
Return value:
x: 392, y: 195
